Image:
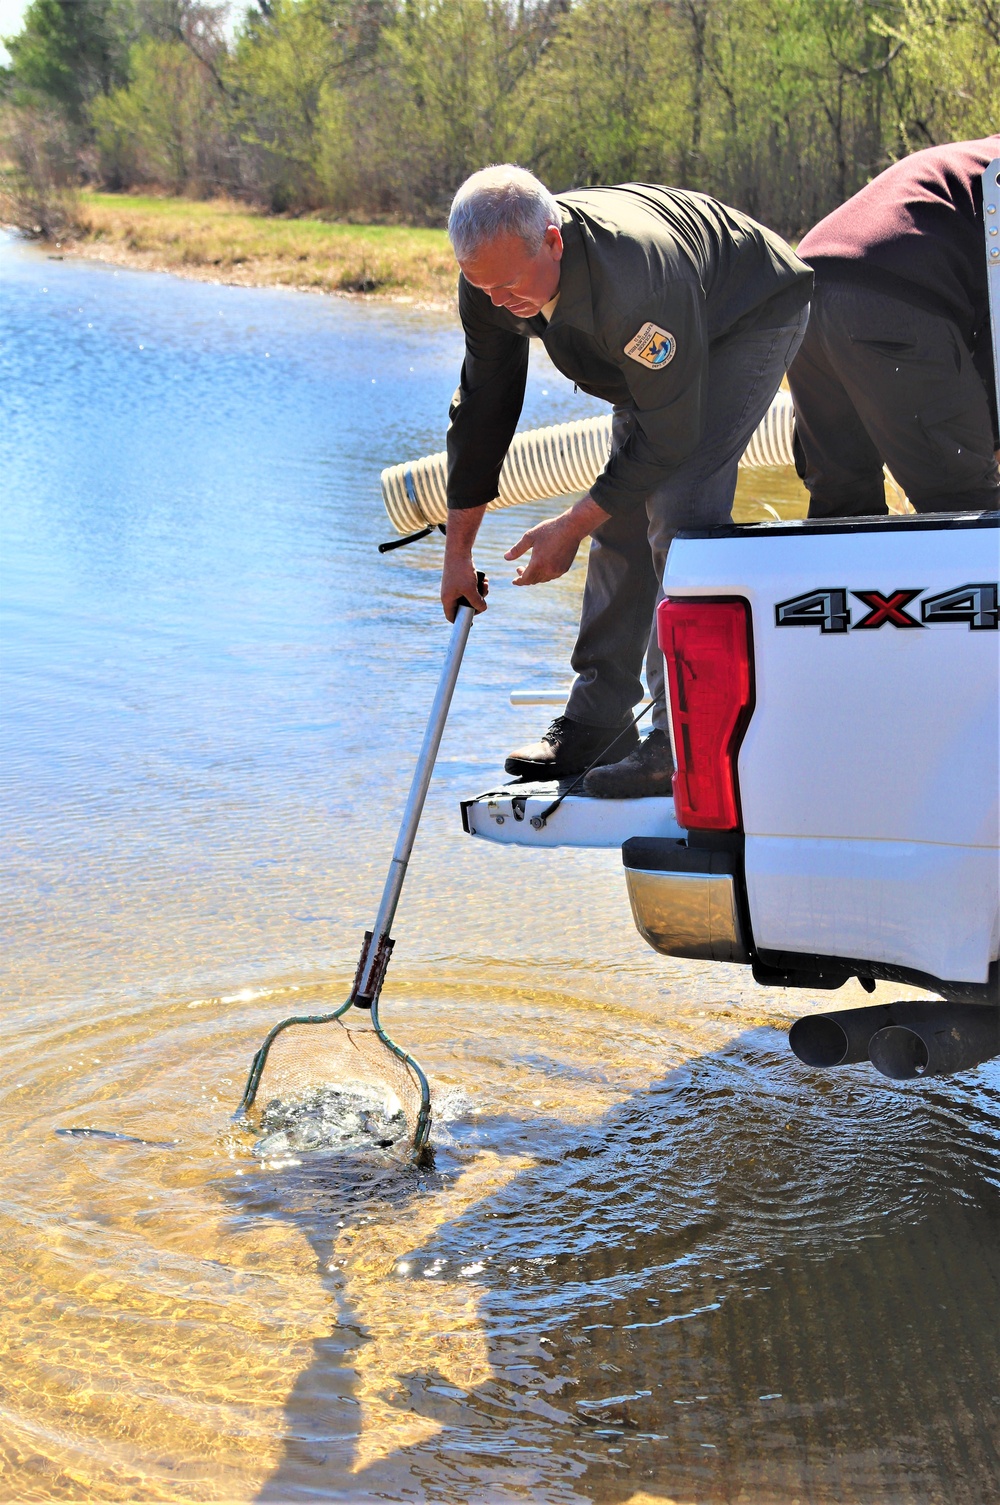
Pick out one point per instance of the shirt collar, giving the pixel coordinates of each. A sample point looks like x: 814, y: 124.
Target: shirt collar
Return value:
x: 575, y: 305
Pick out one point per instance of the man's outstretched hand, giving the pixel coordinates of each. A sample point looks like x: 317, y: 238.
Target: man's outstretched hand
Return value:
x: 553, y: 545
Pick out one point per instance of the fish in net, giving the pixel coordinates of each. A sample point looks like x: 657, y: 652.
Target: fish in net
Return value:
x: 338, y: 1079
x: 332, y: 1081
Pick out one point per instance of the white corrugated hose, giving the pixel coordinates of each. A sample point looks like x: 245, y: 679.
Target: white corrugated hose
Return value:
x: 560, y: 460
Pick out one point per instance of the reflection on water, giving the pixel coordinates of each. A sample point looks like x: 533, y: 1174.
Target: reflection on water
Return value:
x: 655, y: 1259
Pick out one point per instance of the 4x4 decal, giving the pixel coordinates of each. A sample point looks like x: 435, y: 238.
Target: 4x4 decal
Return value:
x: 828, y: 609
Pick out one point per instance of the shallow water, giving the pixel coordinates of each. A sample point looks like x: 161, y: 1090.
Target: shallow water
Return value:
x: 655, y: 1259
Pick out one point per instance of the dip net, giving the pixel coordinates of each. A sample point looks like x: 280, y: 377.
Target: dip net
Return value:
x: 341, y: 1069
x: 338, y: 1080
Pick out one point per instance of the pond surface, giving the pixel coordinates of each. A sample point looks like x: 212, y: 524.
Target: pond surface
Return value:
x: 656, y: 1258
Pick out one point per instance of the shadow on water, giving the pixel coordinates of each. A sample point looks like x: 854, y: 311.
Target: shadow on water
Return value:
x: 749, y: 1283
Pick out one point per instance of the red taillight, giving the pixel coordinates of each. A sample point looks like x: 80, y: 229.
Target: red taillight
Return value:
x: 706, y: 646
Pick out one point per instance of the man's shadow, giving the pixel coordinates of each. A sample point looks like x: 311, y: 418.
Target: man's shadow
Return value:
x: 751, y: 1282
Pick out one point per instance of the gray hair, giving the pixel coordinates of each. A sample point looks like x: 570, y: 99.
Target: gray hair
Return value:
x: 500, y: 200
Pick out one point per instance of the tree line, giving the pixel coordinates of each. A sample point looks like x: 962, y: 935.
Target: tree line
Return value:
x: 378, y: 109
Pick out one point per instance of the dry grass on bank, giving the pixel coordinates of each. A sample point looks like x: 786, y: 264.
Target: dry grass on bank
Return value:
x: 222, y: 241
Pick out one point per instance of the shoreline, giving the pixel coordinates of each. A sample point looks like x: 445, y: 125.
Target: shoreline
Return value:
x: 139, y: 261
x: 221, y: 242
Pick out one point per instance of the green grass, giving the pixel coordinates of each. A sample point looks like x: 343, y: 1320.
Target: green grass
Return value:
x: 223, y: 240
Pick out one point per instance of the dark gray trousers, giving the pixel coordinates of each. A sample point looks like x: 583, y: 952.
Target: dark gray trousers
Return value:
x: 628, y: 553
x: 879, y: 381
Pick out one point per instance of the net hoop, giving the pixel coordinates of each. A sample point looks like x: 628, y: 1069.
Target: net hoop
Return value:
x: 422, y: 1126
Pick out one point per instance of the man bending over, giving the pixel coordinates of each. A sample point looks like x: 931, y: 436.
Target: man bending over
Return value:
x: 680, y: 312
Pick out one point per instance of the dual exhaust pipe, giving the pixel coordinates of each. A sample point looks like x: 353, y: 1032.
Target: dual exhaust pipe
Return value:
x: 903, y: 1041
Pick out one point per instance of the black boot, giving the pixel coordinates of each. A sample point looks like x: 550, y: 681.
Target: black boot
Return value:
x: 568, y: 747
x: 649, y: 769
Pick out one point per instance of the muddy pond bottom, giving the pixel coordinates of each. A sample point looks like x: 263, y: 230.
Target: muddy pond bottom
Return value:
x: 654, y: 1258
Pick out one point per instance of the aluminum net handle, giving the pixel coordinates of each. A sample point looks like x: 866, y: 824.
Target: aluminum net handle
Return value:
x: 416, y: 797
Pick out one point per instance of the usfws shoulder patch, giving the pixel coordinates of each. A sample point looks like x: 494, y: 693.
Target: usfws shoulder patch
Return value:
x: 652, y: 346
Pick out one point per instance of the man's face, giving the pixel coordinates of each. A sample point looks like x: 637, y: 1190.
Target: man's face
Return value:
x: 515, y: 279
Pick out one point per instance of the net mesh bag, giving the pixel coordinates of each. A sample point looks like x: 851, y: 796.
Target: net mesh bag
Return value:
x: 340, y: 1080
x: 353, y: 1060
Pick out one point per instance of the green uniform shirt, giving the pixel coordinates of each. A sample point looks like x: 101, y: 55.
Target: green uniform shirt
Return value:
x: 651, y: 278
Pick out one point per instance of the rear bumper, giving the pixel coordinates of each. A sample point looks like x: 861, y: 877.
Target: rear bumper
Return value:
x: 689, y: 902
x: 685, y: 900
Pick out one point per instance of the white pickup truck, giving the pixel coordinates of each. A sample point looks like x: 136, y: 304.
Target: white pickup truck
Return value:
x: 834, y: 696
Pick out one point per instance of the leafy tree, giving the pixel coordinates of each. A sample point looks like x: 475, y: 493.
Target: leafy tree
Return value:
x: 610, y: 97
x: 798, y: 102
x: 71, y: 51
x: 165, y: 127
x: 953, y: 50
x: 287, y: 59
